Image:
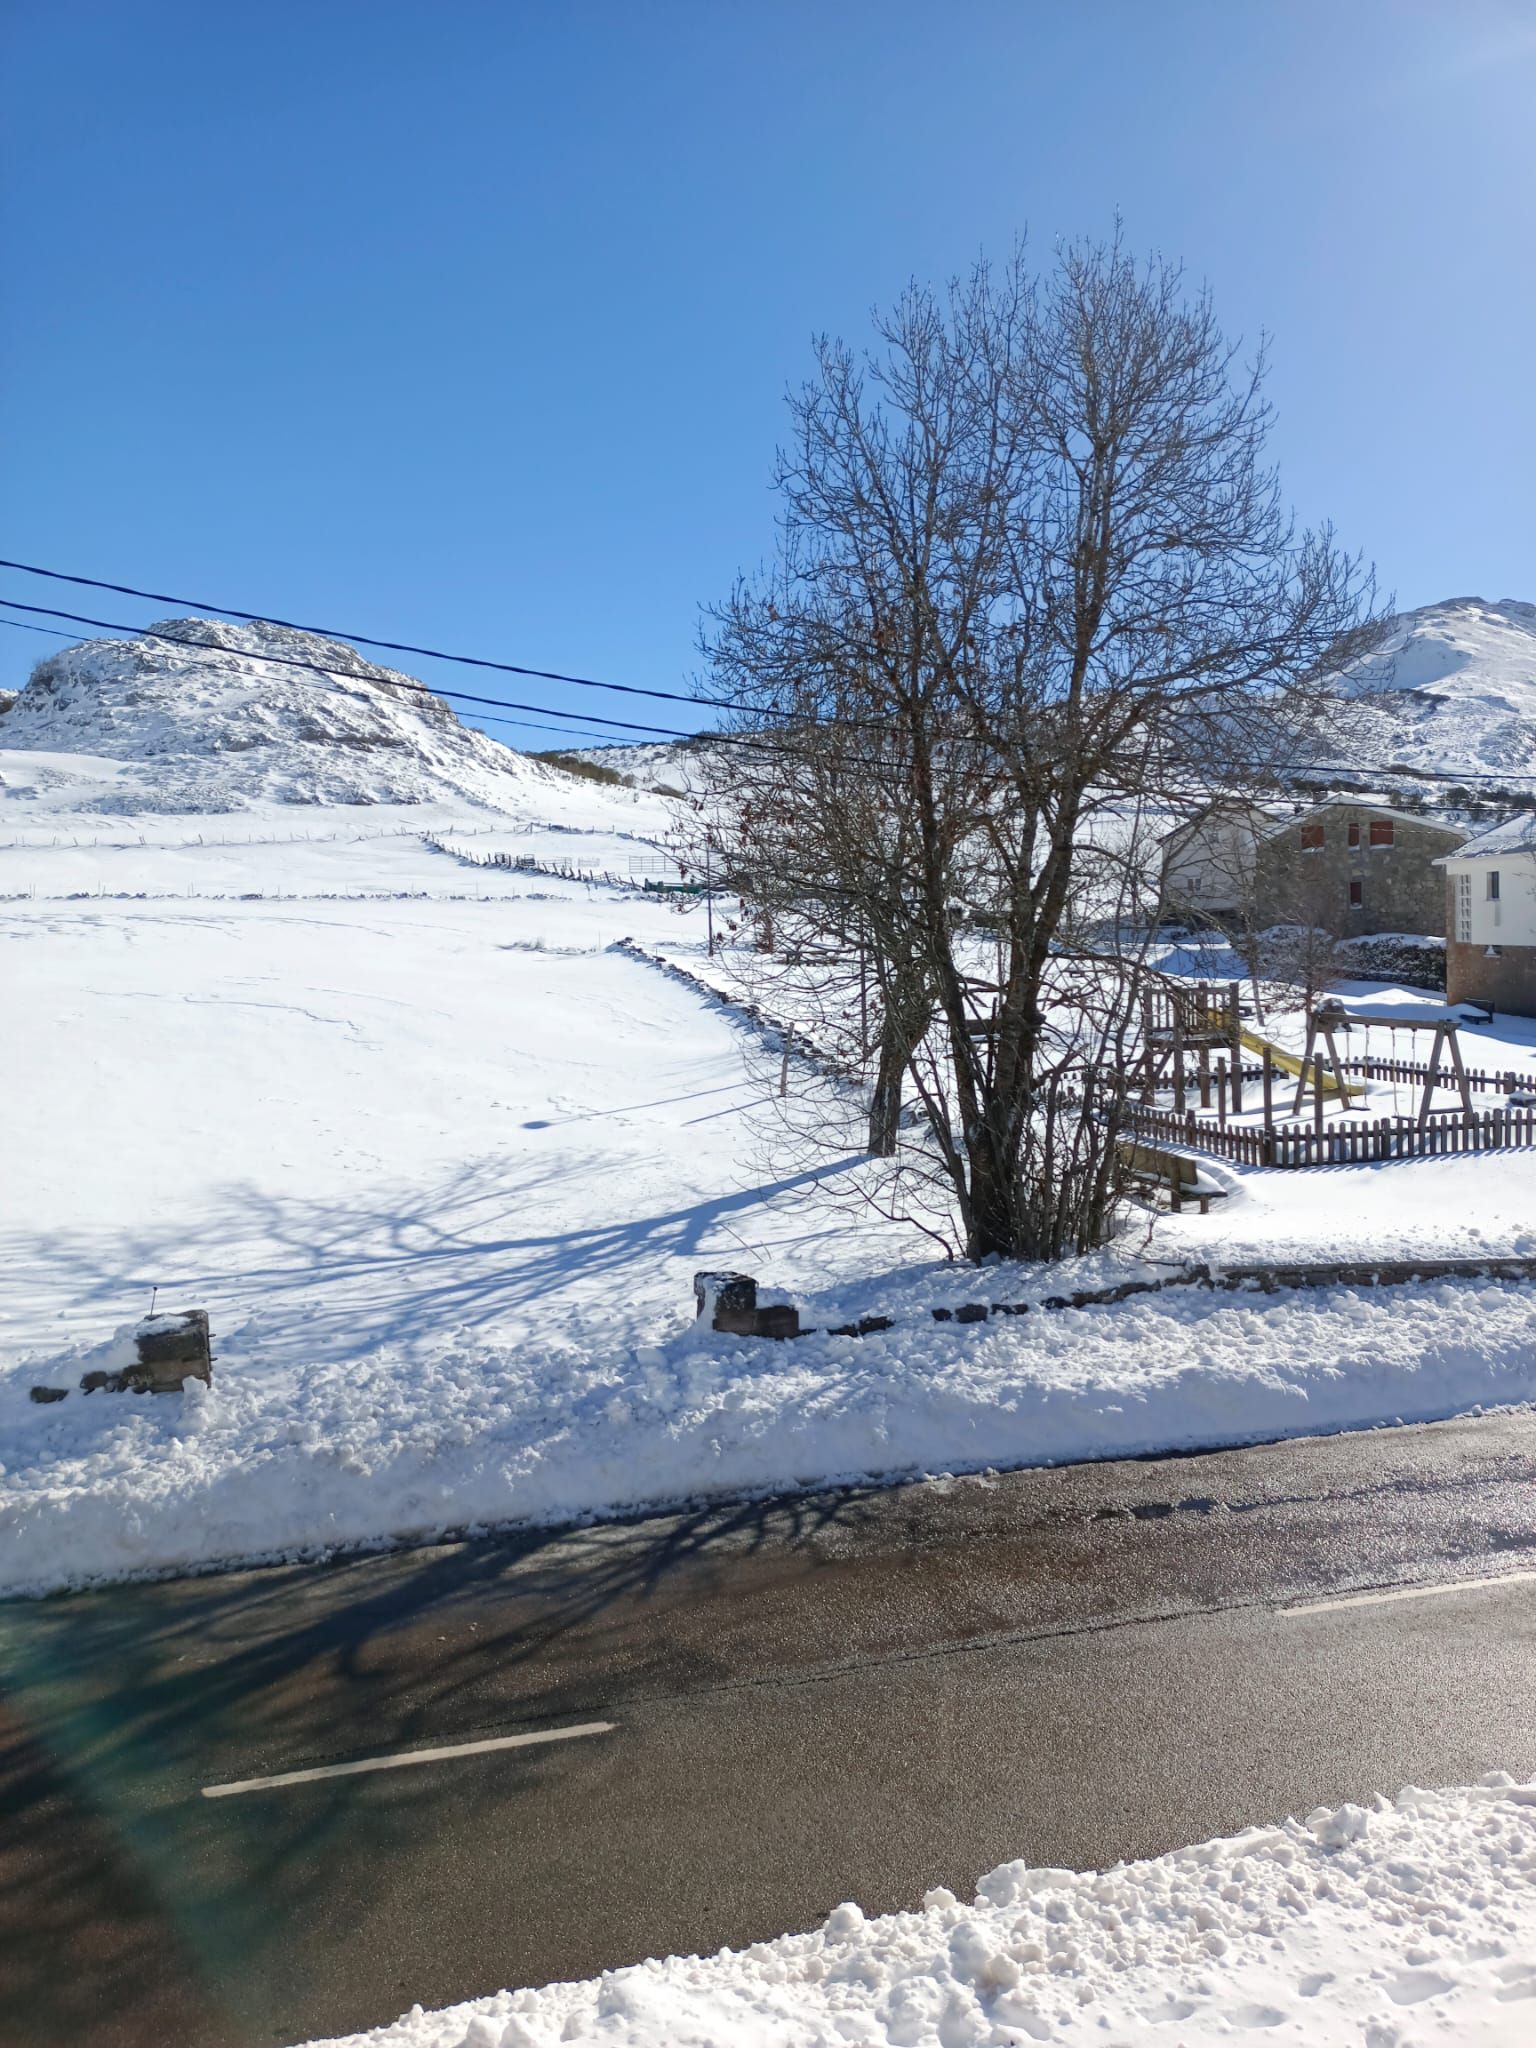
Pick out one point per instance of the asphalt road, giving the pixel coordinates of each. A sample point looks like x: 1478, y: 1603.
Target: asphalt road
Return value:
x: 845, y: 1695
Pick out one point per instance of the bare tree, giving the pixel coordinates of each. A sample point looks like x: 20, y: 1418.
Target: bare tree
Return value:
x: 1032, y: 573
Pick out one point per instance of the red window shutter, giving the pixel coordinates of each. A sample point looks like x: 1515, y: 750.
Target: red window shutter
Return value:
x: 1381, y: 831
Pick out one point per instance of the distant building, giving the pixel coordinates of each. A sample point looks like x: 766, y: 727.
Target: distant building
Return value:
x: 1208, y: 862
x: 1350, y: 866
x: 1490, y: 918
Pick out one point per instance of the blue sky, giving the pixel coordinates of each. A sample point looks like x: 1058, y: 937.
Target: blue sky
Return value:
x: 470, y: 323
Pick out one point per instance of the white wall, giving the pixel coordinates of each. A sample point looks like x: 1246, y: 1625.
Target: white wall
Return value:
x: 1512, y: 920
x: 1212, y: 867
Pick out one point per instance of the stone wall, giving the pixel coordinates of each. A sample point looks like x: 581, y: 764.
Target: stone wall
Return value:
x: 1393, y: 956
x: 1401, y: 888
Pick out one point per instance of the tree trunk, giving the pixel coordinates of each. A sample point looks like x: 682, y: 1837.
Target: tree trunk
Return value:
x: 885, y: 1107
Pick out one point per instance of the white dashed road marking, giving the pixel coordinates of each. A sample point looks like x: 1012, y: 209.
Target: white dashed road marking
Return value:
x: 404, y: 1757
x: 1381, y: 1598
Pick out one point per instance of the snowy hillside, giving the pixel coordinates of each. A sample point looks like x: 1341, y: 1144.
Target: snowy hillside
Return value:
x: 371, y: 1078
x: 217, y: 728
x: 651, y: 764
x: 1453, y: 691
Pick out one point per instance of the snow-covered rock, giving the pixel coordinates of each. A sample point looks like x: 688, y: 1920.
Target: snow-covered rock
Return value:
x: 239, y: 719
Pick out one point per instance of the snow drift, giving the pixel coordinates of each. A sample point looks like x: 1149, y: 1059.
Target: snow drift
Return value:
x: 1409, y: 1921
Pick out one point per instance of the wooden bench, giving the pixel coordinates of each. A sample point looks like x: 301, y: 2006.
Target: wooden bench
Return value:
x: 1150, y: 1167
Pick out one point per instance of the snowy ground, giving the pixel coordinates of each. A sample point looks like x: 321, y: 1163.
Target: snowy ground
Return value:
x: 440, y: 1164
x: 1409, y: 1923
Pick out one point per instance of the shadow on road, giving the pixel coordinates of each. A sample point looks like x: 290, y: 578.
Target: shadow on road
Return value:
x: 133, y: 1910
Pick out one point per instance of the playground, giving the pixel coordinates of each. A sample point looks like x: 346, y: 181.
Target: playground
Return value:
x: 1377, y: 1076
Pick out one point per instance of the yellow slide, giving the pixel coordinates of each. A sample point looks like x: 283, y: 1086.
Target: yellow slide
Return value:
x: 1290, y: 1063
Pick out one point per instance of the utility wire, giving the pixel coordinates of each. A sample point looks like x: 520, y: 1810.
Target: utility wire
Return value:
x: 320, y: 668
x: 408, y: 685
x: 412, y: 684
x: 510, y: 668
x: 522, y: 724
x: 52, y: 631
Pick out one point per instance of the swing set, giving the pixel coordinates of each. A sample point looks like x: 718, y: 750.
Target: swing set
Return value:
x: 1328, y: 1018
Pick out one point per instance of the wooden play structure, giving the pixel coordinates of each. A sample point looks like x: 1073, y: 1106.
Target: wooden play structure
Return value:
x: 1196, y: 1050
x: 1177, y: 1019
x: 1322, y: 1065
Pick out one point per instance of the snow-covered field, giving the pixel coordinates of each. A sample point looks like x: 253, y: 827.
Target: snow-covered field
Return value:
x: 441, y: 1171
x: 1410, y: 1922
x: 440, y: 1163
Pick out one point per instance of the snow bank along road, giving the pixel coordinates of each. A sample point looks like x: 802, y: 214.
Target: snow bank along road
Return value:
x: 854, y: 1696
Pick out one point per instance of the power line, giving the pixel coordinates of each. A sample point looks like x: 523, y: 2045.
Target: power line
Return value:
x: 510, y: 668
x: 1451, y: 775
x: 412, y: 684
x: 53, y: 631
x: 522, y: 724
x: 321, y: 668
x: 407, y: 684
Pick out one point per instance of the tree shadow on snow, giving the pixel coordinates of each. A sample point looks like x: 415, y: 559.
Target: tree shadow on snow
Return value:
x: 336, y: 1278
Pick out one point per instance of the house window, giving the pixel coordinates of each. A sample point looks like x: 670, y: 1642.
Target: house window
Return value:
x: 1356, y: 895
x: 1493, y: 885
x: 1381, y: 831
x: 1312, y: 838
x: 1354, y: 831
x: 1464, y: 909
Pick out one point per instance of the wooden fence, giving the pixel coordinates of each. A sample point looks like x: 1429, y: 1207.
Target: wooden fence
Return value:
x: 1413, y: 1071
x: 1417, y: 1070
x: 1347, y: 1142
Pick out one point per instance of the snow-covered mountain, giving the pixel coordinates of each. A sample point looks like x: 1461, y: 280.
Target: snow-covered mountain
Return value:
x: 262, y: 713
x: 1452, y: 691
x: 234, y: 721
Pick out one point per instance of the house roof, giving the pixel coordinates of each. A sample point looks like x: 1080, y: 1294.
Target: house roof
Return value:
x: 1362, y: 803
x: 1253, y: 808
x: 1515, y: 835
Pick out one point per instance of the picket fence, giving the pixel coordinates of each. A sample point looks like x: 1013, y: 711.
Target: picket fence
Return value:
x: 1482, y: 1080
x: 1347, y: 1142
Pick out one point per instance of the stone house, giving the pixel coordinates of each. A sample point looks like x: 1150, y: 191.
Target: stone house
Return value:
x: 1490, y: 918
x: 1350, y: 866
